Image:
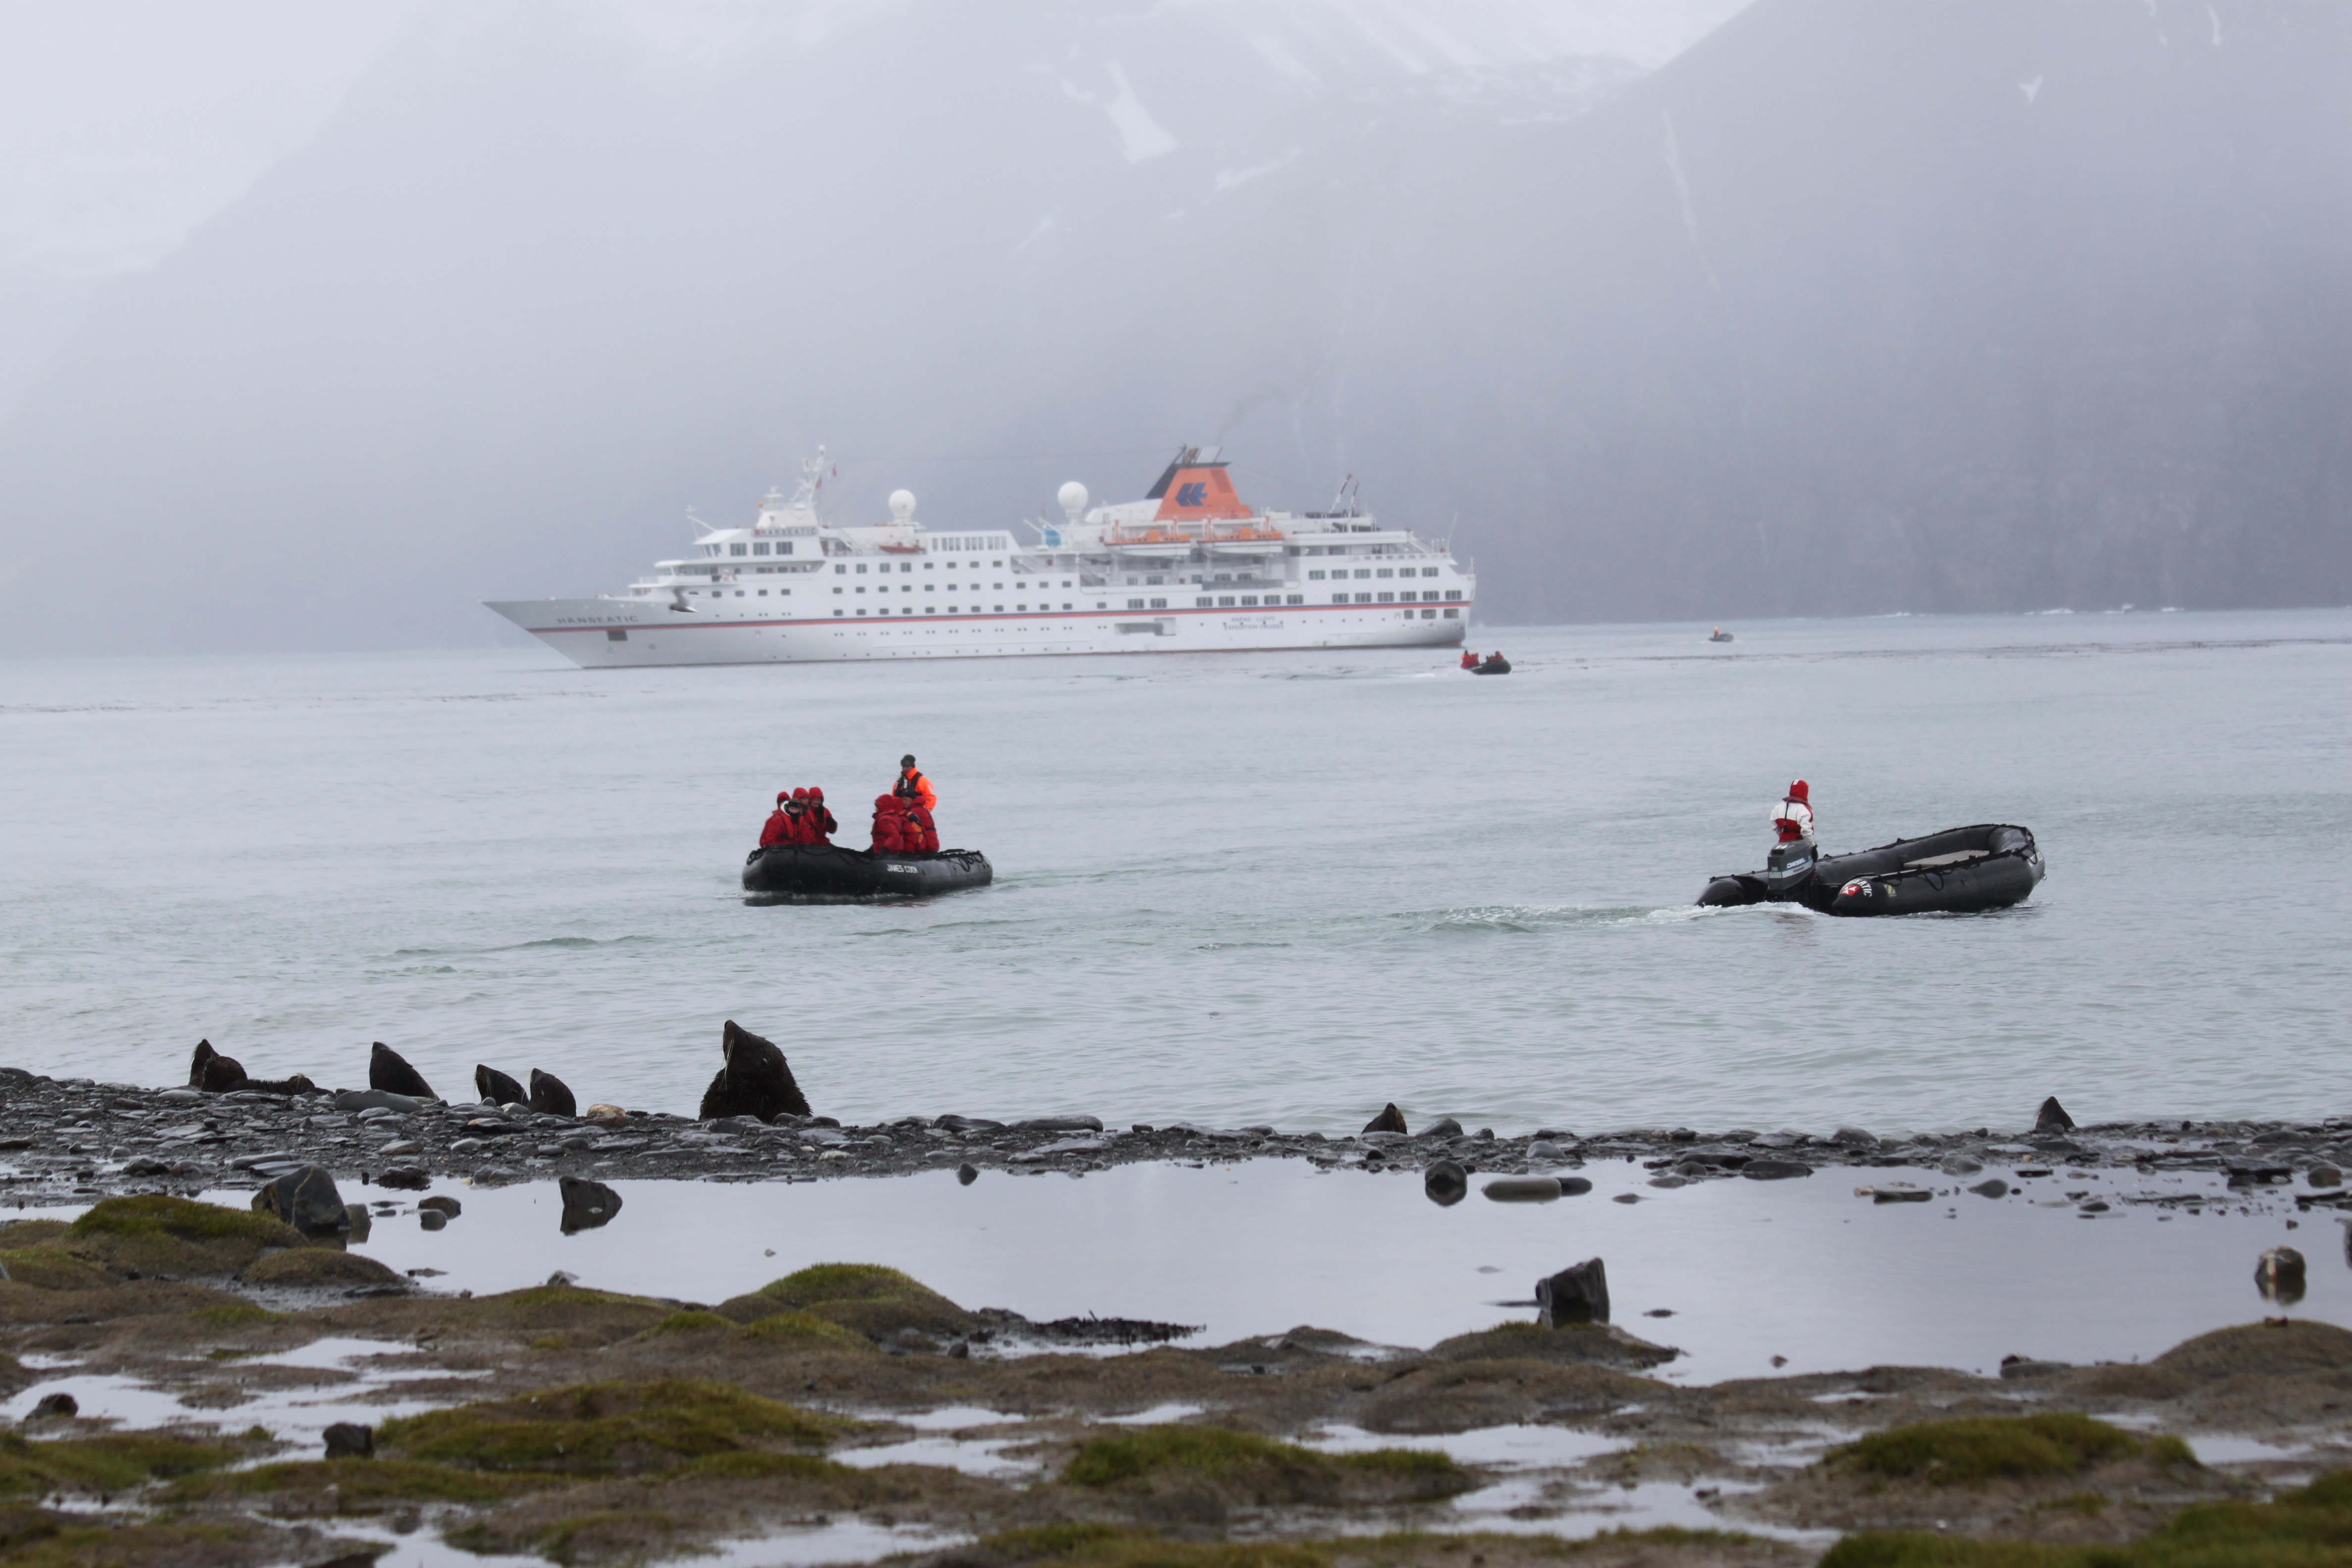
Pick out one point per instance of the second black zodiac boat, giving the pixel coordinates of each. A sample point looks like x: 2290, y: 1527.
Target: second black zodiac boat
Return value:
x: 1988, y: 867
x: 833, y: 870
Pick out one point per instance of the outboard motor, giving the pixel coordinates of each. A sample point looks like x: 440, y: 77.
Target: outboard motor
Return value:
x: 1788, y: 869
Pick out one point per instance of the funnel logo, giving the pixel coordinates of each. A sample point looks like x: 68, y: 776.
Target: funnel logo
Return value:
x: 1194, y: 494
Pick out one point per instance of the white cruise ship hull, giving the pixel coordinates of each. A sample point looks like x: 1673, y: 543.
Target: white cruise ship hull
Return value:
x: 608, y: 634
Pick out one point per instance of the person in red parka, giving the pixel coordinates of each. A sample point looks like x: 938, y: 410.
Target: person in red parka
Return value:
x: 889, y: 826
x: 796, y: 809
x: 821, y: 825
x: 779, y: 825
x: 921, y: 832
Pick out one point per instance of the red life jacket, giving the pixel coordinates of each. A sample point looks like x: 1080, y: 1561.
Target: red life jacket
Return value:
x: 922, y: 832
x: 778, y: 829
x: 818, y: 825
x: 889, y: 828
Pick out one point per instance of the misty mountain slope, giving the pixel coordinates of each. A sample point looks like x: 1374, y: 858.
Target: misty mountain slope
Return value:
x: 1851, y: 307
x: 1902, y: 337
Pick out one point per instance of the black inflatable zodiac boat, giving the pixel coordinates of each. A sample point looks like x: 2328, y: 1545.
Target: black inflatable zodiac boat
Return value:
x: 835, y: 871
x: 1496, y: 664
x: 1988, y: 867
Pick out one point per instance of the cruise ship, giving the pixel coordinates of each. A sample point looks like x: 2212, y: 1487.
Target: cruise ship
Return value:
x: 1187, y: 569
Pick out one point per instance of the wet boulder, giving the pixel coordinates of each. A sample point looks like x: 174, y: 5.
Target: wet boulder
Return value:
x: 1446, y: 1182
x: 405, y: 1178
x: 349, y: 1440
x: 550, y: 1095
x: 1390, y: 1120
x: 1575, y: 1295
x: 389, y: 1070
x: 586, y: 1205
x: 755, y: 1081
x: 2279, y: 1276
x: 305, y: 1199
x: 495, y: 1088
x: 1444, y: 1127
x: 1774, y: 1170
x: 1522, y: 1189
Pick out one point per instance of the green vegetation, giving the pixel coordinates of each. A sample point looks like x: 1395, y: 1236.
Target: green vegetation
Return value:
x: 1981, y: 1448
x: 1259, y: 1469
x: 866, y: 1298
x: 158, y: 1235
x: 1113, y: 1546
x: 323, y: 1487
x: 318, y: 1266
x: 2307, y: 1529
x: 806, y: 1326
x: 35, y: 1538
x: 235, y: 1315
x: 53, y: 1268
x: 604, y: 1428
x: 115, y: 1462
x: 691, y: 1323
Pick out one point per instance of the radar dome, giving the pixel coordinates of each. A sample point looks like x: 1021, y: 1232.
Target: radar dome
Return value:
x: 1072, y: 497
x: 902, y: 504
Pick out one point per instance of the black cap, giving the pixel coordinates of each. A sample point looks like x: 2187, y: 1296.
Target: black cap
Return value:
x: 908, y: 760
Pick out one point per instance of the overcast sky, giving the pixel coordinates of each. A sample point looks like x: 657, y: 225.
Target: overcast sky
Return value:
x: 124, y: 123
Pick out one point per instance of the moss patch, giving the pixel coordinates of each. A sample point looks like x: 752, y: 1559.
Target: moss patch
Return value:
x: 115, y: 1462
x: 314, y: 1487
x: 783, y: 1328
x: 693, y: 1323
x: 1115, y: 1546
x: 2307, y: 1529
x: 1260, y: 1470
x: 606, y: 1428
x: 158, y: 1235
x: 1602, y: 1344
x: 1976, y: 1449
x: 31, y: 1538
x: 53, y: 1268
x: 319, y: 1265
x: 866, y: 1298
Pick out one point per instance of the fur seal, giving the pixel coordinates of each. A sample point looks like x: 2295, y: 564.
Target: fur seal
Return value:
x: 550, y: 1097
x: 1390, y: 1120
x: 756, y: 1080
x: 494, y: 1087
x: 216, y: 1074
x: 389, y: 1070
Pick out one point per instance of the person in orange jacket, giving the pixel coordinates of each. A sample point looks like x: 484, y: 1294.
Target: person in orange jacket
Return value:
x: 921, y: 832
x: 913, y: 786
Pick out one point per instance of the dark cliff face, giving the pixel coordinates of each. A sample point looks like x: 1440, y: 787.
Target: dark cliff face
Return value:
x: 1854, y: 307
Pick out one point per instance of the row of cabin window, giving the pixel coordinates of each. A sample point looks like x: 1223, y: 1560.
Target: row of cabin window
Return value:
x: 1225, y: 601
x: 883, y: 567
x: 976, y: 609
x: 783, y: 547
x: 1431, y: 596
x: 1372, y: 572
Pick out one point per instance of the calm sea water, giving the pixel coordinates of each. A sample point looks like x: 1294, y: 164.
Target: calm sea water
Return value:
x: 1233, y: 888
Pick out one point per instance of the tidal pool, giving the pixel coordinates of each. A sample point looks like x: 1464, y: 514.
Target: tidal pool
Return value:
x: 1751, y: 1277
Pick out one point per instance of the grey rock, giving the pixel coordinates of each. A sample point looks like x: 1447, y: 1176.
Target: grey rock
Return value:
x: 1444, y: 1127
x: 1995, y: 1188
x: 405, y: 1178
x: 376, y: 1100
x: 1854, y: 1138
x: 1578, y: 1294
x: 2279, y: 1275
x: 1540, y: 1153
x: 305, y: 1199
x: 349, y: 1440
x: 54, y: 1405
x: 431, y: 1219
x: 447, y: 1205
x: 1961, y: 1165
x: 1774, y: 1170
x: 2324, y: 1177
x: 2014, y: 1367
x: 966, y: 1175
x: 1573, y: 1187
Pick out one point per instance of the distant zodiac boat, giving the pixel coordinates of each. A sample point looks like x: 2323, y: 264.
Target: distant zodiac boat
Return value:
x: 1187, y: 569
x: 1962, y: 869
